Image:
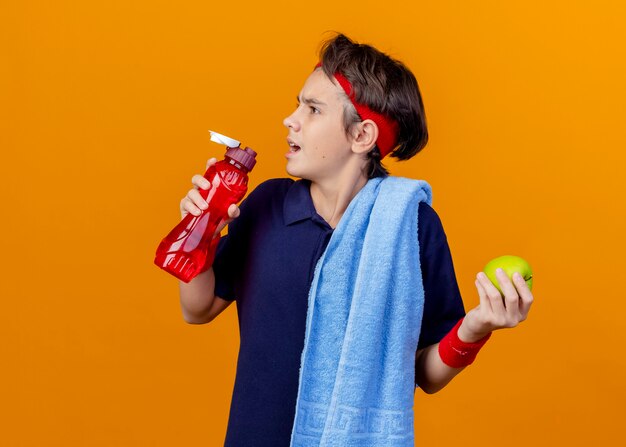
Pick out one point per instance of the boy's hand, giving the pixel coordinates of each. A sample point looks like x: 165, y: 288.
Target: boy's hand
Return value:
x: 194, y: 203
x: 494, y: 311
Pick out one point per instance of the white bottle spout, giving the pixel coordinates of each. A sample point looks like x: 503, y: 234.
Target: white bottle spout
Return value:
x: 222, y: 139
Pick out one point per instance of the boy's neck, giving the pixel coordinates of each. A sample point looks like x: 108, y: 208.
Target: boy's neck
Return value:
x: 331, y: 197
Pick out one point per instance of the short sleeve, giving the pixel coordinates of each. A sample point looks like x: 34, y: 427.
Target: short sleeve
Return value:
x: 223, y: 269
x: 443, y: 305
x: 234, y: 249
x: 230, y: 254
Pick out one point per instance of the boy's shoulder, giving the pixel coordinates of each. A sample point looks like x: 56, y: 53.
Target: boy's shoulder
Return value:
x: 427, y: 211
x: 431, y: 230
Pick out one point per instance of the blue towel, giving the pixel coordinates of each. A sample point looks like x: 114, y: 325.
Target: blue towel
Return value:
x: 357, y: 371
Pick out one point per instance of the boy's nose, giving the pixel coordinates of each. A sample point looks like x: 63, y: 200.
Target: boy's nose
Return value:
x: 291, y: 123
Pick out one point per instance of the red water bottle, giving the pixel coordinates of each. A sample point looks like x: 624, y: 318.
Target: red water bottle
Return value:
x: 190, y: 247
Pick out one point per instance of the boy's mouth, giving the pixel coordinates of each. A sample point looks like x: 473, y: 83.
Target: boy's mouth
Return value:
x: 293, y: 147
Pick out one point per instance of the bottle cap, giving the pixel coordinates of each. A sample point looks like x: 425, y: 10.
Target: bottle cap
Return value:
x: 246, y: 157
x: 223, y: 139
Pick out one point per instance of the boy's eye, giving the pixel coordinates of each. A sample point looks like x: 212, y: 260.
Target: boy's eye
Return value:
x: 314, y: 109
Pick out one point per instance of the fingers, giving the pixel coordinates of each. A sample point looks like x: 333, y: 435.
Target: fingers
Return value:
x: 493, y: 295
x: 482, y: 293
x: 505, y: 311
x: 233, y: 211
x: 193, y: 203
x: 199, y: 181
x: 210, y: 162
x: 526, y: 297
x: 511, y: 298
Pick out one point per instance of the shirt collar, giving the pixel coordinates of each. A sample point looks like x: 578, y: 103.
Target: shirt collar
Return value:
x: 298, y: 204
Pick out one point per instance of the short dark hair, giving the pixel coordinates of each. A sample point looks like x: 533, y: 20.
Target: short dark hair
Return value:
x: 384, y: 84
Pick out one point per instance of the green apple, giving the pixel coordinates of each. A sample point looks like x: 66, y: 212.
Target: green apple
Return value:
x: 510, y: 264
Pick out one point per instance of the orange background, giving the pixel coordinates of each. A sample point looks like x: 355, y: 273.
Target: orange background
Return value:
x: 104, y: 118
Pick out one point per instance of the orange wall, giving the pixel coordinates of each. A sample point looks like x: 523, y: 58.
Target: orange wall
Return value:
x: 104, y: 118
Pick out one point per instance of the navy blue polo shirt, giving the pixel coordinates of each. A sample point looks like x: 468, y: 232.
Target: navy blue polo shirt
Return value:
x: 266, y: 263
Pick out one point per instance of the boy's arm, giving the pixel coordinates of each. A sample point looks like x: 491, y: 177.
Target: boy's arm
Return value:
x: 432, y: 374
x: 197, y: 296
x: 494, y: 312
x: 198, y: 301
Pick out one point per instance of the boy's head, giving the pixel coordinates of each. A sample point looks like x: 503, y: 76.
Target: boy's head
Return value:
x: 384, y: 85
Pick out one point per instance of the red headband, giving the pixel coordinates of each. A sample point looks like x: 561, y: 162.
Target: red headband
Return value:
x: 387, y: 128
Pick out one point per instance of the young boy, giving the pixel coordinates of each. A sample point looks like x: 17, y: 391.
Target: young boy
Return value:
x: 356, y: 107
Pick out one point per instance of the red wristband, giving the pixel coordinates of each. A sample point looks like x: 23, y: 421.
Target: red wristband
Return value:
x: 456, y: 353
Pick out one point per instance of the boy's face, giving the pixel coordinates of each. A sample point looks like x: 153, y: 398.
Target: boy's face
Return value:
x: 319, y: 146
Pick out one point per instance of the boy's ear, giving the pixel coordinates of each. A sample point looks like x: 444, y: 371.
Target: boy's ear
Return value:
x: 364, y: 136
